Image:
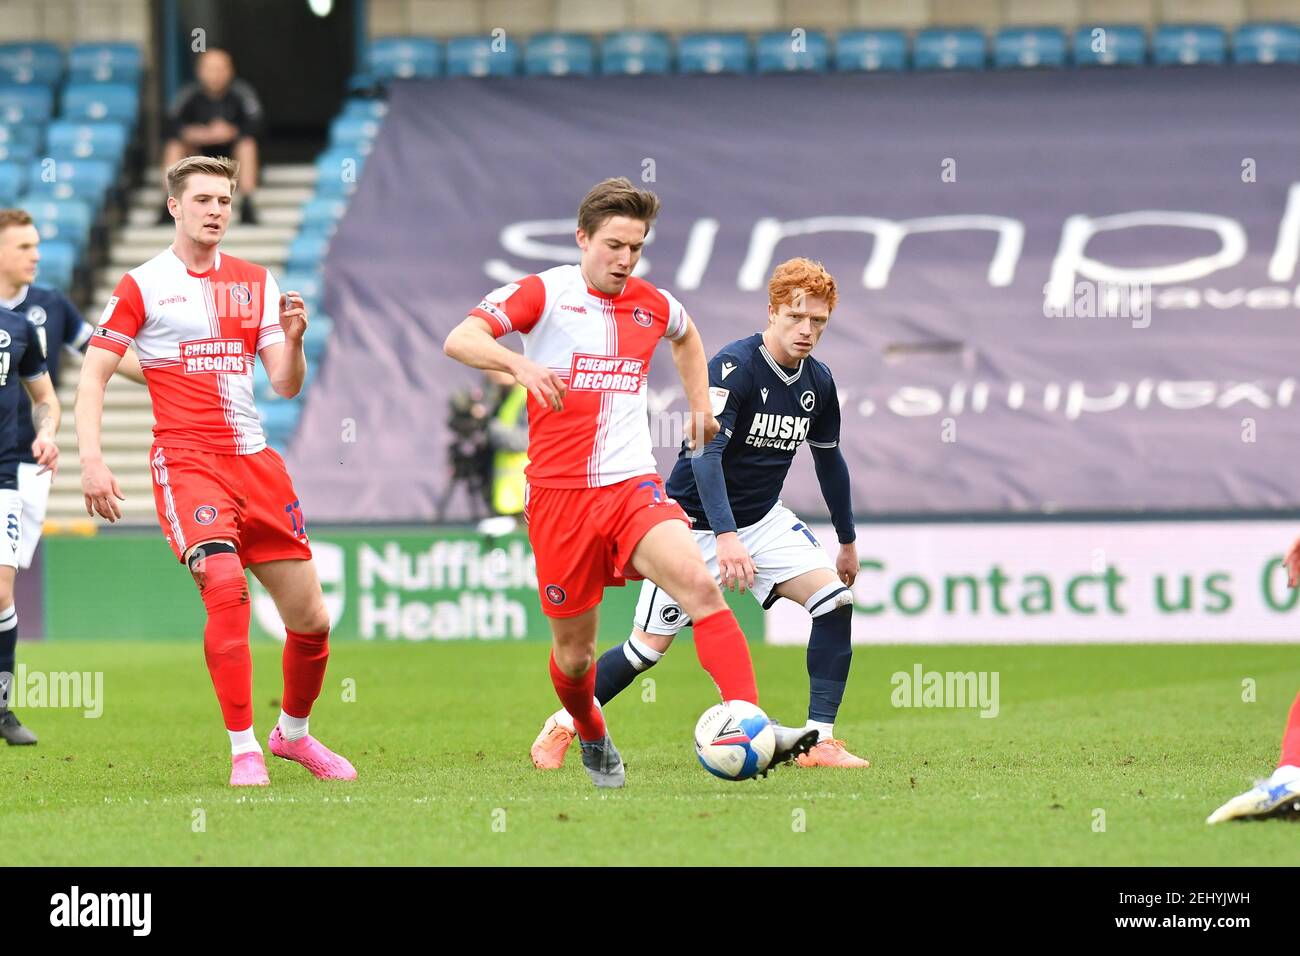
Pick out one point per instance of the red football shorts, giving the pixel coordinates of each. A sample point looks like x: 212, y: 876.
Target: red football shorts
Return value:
x: 583, y: 538
x: 247, y: 500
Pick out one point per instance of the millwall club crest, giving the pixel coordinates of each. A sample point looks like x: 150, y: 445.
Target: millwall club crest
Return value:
x: 806, y: 401
x: 241, y: 294
x: 205, y: 514
x: 670, y: 614
x: 36, y: 315
x: 555, y: 594
x: 643, y: 318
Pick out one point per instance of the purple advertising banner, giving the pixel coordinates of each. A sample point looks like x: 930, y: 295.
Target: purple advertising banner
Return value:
x: 1059, y: 291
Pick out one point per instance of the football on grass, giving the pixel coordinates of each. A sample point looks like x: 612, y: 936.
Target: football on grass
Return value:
x: 734, y: 740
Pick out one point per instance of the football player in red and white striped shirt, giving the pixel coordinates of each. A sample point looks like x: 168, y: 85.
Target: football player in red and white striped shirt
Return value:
x: 597, y: 512
x: 198, y: 320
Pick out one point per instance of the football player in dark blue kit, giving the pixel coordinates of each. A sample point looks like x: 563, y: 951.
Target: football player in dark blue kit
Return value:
x: 22, y: 365
x: 770, y: 396
x: 59, y: 326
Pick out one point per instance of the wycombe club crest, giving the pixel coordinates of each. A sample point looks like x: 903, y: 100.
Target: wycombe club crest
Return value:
x: 642, y: 317
x: 555, y: 594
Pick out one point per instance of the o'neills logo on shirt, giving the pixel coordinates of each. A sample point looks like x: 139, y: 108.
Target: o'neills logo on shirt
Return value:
x: 213, y: 355
x: 605, y: 373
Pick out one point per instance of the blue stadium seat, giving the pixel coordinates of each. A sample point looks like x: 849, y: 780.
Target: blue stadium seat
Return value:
x: 782, y: 52
x: 29, y: 134
x: 101, y: 101
x: 67, y: 220
x: 87, y: 179
x: 871, y: 50
x: 306, y: 252
x: 347, y: 131
x: 949, y: 50
x: 632, y: 52
x: 279, y: 417
x: 26, y: 104
x: 105, y: 63
x: 482, y: 56
x: 317, y: 212
x: 1266, y: 43
x: 713, y: 53
x: 338, y: 171
x: 360, y: 107
x: 35, y: 63
x: 306, y: 282
x: 1028, y: 48
x: 57, y: 265
x: 17, y: 151
x: 1123, y: 46
x: 71, y: 140
x: 560, y: 54
x: 401, y: 58
x: 1189, y: 45
x: 13, y: 178
x: 318, y: 333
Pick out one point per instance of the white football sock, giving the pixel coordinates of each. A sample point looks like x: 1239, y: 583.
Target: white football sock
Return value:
x: 824, y: 731
x: 243, y: 742
x: 1284, y: 774
x: 293, y: 728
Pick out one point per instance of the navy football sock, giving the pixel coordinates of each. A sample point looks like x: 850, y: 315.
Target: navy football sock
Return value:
x: 619, y: 666
x: 830, y: 652
x: 8, y: 647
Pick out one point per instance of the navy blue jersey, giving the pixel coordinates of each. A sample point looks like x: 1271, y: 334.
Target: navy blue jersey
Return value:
x: 21, y: 356
x: 767, y: 412
x: 59, y: 325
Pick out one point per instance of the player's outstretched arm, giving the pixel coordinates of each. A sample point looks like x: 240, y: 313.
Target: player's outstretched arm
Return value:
x: 46, y: 413
x: 833, y: 476
x: 130, y: 367
x: 98, y: 485
x: 472, y: 343
x: 693, y: 368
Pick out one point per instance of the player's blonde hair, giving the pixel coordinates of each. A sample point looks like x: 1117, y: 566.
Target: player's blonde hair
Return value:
x: 616, y: 197
x: 200, y: 165
x: 14, y: 217
x: 800, y: 276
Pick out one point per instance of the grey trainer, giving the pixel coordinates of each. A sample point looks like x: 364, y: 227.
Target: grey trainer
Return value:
x: 602, y: 762
x: 13, y: 731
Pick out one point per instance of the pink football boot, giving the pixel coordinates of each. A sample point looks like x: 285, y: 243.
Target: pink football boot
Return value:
x: 312, y: 754
x: 248, y: 770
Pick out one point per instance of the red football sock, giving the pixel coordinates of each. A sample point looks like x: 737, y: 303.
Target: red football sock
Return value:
x: 305, y: 656
x: 578, y: 695
x: 225, y: 637
x: 724, y: 653
x: 1291, y: 739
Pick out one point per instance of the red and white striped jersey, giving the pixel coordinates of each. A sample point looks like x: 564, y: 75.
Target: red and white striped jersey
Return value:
x: 197, y: 336
x: 600, y: 346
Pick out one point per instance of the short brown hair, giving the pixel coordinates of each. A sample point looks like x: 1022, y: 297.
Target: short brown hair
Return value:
x: 200, y: 165
x: 801, y: 276
x: 616, y: 197
x: 14, y: 217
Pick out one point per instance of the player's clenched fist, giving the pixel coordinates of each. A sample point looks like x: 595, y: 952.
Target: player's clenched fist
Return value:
x: 293, y: 316
x: 701, y: 428
x: 1292, y: 562
x: 543, y: 384
x: 100, y: 489
x: 735, y: 566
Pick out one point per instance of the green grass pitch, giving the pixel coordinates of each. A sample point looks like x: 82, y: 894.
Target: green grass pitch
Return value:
x: 1153, y: 737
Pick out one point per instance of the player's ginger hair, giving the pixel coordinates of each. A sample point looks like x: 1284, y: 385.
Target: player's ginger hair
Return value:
x: 801, y: 276
x: 200, y: 165
x: 616, y: 197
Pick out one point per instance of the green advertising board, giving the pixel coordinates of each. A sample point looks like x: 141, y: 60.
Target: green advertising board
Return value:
x: 379, y: 585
